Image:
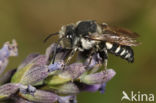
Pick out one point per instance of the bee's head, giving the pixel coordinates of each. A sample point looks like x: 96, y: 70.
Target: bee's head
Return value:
x: 67, y: 31
x: 86, y: 27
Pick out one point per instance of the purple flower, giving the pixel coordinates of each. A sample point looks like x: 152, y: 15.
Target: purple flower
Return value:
x: 6, y: 51
x: 56, y: 66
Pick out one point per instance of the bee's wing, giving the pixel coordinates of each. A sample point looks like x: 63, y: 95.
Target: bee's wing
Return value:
x: 122, y: 40
x: 116, y: 35
x: 118, y: 31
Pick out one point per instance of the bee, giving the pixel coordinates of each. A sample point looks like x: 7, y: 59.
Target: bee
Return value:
x: 90, y: 37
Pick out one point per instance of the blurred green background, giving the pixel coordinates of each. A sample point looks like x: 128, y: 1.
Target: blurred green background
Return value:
x: 30, y: 21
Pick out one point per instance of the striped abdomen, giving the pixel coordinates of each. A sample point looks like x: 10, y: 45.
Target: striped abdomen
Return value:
x: 124, y: 52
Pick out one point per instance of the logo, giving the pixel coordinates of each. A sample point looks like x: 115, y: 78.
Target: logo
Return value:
x: 137, y: 97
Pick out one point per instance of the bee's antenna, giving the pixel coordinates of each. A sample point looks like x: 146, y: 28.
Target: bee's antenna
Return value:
x: 54, y: 54
x: 49, y: 36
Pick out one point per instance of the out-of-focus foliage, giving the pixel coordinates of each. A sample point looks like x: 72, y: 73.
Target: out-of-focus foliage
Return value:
x: 30, y: 21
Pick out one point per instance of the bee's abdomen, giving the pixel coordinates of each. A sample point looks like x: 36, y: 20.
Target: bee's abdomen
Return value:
x: 124, y: 52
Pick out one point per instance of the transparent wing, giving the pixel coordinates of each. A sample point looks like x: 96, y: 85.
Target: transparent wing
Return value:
x: 116, y: 35
x: 118, y: 31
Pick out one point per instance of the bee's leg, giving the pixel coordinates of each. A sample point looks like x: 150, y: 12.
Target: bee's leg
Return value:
x: 90, y: 59
x: 105, y: 64
x: 105, y: 61
x: 89, y: 62
x: 71, y: 55
x: 54, y: 54
x: 104, y: 56
x: 55, y: 51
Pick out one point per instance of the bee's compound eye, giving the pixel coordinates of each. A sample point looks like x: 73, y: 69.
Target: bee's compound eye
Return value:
x: 70, y: 36
x: 67, y: 36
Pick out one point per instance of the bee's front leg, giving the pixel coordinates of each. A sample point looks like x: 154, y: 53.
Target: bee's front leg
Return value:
x: 71, y: 55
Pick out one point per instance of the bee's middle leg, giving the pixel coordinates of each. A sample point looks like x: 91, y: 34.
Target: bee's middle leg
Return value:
x: 90, y: 58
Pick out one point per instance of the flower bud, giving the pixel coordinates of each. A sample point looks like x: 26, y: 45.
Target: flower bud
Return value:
x: 40, y: 96
x: 67, y: 99
x: 102, y: 88
x: 64, y: 89
x: 20, y: 100
x: 7, y: 76
x: 98, y: 78
x: 56, y: 66
x: 75, y: 70
x: 89, y: 88
x: 7, y: 90
x: 36, y: 67
x: 8, y: 49
x: 68, y: 74
x: 92, y: 88
x: 27, y: 89
x: 13, y: 48
x: 35, y: 75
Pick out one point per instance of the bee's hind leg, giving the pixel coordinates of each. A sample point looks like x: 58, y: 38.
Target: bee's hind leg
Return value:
x: 105, y: 64
x: 104, y: 55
